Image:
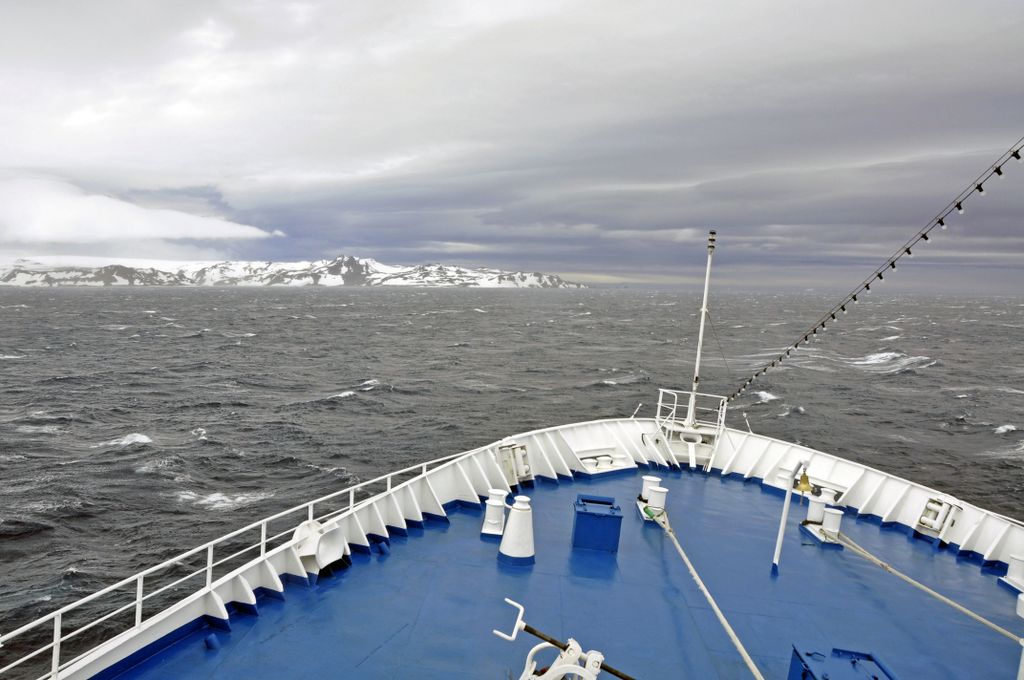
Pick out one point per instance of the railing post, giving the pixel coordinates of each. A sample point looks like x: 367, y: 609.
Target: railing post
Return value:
x: 55, y: 666
x: 423, y: 469
x: 351, y: 498
x: 209, y: 565
x: 389, y: 482
x: 138, y: 601
x: 263, y: 538
x: 310, y: 513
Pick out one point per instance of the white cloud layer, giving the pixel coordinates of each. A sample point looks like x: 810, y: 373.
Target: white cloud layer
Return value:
x: 47, y: 210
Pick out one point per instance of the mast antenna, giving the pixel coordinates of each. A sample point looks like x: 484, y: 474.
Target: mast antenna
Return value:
x: 691, y: 407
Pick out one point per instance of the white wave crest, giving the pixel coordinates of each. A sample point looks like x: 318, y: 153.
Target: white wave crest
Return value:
x: 343, y: 395
x: 127, y: 440
x: 1003, y: 429
x: 222, y: 501
x: 892, y: 362
x: 37, y: 429
x: 878, y: 358
x: 368, y: 385
x: 199, y: 433
x: 764, y: 396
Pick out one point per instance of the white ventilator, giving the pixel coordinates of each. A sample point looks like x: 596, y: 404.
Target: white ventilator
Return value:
x: 517, y: 540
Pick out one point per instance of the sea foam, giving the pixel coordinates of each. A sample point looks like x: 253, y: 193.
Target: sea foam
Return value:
x: 222, y: 501
x: 122, y: 442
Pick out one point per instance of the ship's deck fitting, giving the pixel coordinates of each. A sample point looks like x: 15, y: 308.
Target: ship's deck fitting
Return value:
x: 426, y: 609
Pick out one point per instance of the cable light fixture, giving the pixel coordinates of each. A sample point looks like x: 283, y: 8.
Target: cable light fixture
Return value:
x: 957, y: 204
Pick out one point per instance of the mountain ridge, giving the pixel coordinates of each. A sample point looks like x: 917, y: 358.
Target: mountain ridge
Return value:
x: 344, y: 270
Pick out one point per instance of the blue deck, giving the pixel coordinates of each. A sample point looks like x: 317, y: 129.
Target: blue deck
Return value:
x: 426, y: 610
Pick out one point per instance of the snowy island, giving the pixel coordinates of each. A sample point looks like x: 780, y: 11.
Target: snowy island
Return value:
x: 341, y: 271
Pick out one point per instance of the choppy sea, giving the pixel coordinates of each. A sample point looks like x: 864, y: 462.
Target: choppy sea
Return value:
x: 136, y: 423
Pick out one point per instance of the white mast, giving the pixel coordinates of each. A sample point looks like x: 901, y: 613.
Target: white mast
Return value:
x: 690, y: 418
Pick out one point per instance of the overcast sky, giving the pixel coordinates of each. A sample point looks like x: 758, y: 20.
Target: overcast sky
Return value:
x: 599, y: 140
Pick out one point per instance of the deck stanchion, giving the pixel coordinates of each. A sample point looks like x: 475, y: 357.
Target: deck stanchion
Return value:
x: 209, y: 565
x: 789, y: 476
x: 138, y: 600
x: 55, y: 665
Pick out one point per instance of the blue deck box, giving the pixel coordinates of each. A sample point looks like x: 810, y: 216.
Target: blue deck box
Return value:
x: 596, y: 524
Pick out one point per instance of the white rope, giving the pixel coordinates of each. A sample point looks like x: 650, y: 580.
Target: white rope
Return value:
x: 849, y: 543
x: 662, y: 521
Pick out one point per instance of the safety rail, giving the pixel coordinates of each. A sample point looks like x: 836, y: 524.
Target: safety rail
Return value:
x: 138, y: 580
x: 673, y: 405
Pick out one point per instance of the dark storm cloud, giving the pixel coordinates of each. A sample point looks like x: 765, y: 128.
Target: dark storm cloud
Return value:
x: 595, y: 139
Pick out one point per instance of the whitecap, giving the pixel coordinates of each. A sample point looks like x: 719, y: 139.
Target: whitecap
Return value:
x: 127, y: 440
x: 37, y: 429
x: 342, y: 395
x: 154, y: 466
x: 12, y: 356
x: 1003, y: 429
x: 222, y: 501
x: 890, y: 338
x: 609, y: 382
x: 368, y: 385
x: 878, y: 358
x: 763, y: 397
x: 961, y: 396
x: 199, y: 433
x: 482, y: 311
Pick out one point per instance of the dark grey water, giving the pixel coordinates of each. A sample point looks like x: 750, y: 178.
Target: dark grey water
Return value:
x: 137, y: 423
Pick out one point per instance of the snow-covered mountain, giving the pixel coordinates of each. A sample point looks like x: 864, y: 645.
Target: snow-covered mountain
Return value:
x: 341, y: 271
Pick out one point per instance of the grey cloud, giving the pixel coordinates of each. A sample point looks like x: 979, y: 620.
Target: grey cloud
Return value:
x: 586, y: 138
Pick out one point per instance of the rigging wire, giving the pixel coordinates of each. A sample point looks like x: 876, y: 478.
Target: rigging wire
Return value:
x: 922, y: 236
x: 718, y: 342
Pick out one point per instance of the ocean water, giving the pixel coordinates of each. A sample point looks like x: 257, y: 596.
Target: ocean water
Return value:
x: 135, y: 424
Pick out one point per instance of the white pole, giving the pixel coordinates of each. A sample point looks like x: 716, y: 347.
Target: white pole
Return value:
x: 789, y: 474
x: 690, y: 420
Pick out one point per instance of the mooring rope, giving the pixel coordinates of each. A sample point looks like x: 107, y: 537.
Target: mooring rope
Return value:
x: 849, y: 543
x: 662, y: 521
x: 1015, y: 152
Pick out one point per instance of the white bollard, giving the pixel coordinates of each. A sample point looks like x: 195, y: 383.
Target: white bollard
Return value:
x: 816, y: 511
x: 649, y: 481
x: 656, y: 497
x: 517, y: 541
x: 830, y: 524
x: 494, y: 515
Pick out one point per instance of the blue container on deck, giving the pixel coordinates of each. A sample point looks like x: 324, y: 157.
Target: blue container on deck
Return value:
x: 596, y: 524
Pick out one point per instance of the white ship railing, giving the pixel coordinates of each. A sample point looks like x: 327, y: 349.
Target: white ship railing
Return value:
x: 709, y: 409
x: 307, y: 511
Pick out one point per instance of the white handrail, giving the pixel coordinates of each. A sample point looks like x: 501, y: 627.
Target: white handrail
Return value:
x: 138, y: 579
